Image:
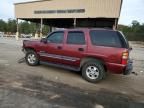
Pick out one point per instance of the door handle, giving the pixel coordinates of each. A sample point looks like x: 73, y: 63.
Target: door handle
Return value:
x: 81, y: 49
x: 59, y: 47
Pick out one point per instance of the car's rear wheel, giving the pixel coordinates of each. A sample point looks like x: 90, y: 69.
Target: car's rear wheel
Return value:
x: 93, y: 71
x: 32, y: 58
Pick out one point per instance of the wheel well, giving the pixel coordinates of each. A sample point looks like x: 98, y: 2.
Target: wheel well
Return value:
x: 87, y: 59
x: 28, y: 49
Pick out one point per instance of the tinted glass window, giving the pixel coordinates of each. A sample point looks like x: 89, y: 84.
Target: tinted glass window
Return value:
x: 56, y: 37
x: 124, y: 41
x: 105, y: 38
x: 76, y: 37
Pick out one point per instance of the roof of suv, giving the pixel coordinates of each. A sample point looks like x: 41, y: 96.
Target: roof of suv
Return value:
x: 85, y: 29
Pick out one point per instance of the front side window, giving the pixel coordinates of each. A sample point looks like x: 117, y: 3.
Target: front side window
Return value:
x: 56, y: 37
x: 76, y: 37
x: 105, y: 38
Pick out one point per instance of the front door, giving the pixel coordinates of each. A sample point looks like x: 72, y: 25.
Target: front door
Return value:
x: 53, y: 49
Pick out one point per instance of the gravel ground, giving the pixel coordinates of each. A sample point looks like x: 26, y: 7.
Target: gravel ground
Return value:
x: 22, y: 86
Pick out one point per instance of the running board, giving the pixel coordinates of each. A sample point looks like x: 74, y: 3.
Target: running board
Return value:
x: 60, y: 66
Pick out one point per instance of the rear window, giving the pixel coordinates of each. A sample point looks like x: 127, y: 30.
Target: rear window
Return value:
x: 105, y: 38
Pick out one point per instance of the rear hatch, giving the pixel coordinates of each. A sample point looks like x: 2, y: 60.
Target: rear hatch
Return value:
x: 112, y: 45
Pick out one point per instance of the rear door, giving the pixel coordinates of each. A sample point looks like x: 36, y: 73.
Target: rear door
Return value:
x: 74, y: 47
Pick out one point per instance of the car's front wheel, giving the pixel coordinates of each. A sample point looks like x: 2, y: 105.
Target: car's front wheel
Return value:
x: 32, y: 58
x: 93, y: 71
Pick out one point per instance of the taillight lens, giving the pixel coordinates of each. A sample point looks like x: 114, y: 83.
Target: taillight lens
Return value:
x: 125, y: 56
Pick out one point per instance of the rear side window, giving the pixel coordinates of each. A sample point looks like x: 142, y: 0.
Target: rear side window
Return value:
x: 105, y: 38
x: 124, y: 41
x: 76, y: 37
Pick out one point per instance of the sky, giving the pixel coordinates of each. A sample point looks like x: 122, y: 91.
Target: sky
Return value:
x: 131, y: 10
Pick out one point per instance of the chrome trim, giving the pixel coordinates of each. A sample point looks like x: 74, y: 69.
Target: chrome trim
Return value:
x: 73, y: 59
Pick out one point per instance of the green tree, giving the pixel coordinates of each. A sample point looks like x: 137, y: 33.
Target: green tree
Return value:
x: 3, y: 26
x: 124, y: 28
x: 32, y: 28
x: 24, y: 27
x: 141, y: 28
x: 11, y: 26
x: 135, y: 26
x: 46, y: 30
x: 135, y: 32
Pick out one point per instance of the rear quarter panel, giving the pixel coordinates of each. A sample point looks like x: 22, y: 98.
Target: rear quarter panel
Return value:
x: 111, y: 56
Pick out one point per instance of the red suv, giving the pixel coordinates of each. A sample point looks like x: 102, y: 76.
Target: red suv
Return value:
x: 94, y: 52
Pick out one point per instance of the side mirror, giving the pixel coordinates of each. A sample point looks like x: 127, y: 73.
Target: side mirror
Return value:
x: 44, y: 40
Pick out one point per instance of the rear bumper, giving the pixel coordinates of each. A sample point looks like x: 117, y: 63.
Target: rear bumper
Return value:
x: 128, y: 68
x: 119, y: 68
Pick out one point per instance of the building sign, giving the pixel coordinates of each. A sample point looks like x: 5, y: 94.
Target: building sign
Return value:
x: 59, y: 11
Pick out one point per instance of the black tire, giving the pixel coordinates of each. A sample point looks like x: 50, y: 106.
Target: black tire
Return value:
x: 95, y: 74
x: 35, y: 61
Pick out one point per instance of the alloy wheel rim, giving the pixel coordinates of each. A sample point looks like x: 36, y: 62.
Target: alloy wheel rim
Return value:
x: 31, y: 58
x: 92, y: 72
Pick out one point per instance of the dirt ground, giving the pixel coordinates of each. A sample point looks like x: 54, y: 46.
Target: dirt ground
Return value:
x: 22, y: 86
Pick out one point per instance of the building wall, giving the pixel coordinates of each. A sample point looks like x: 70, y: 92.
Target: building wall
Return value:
x: 93, y: 9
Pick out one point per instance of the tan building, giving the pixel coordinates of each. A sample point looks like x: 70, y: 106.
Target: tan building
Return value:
x: 69, y: 13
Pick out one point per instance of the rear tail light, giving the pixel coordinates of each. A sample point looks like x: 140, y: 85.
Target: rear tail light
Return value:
x: 125, y: 56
